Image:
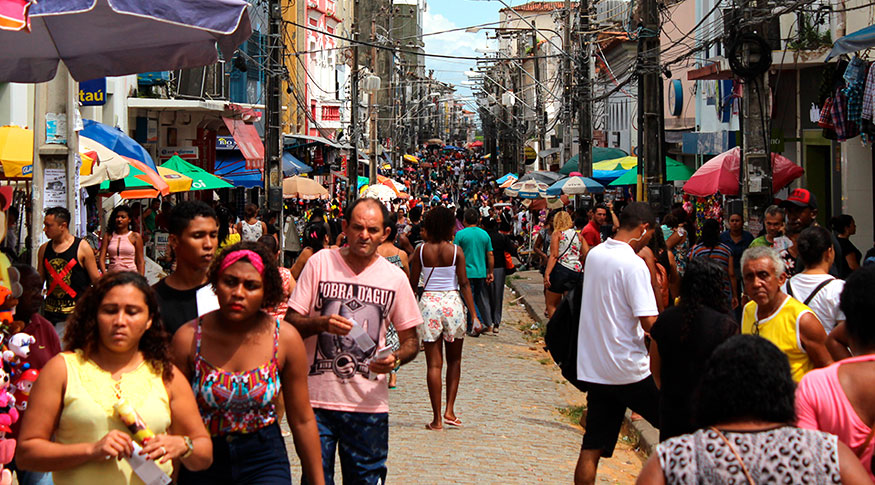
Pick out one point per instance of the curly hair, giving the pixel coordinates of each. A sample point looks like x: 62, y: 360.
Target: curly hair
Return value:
x: 271, y: 280
x: 562, y: 221
x: 701, y: 286
x: 438, y: 224
x: 111, y: 224
x: 746, y: 377
x: 82, y: 331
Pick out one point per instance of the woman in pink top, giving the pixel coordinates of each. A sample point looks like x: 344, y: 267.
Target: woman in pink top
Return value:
x: 121, y: 246
x: 840, y: 399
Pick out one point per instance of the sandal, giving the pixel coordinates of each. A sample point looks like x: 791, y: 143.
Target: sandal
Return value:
x: 455, y: 422
x: 433, y: 428
x: 495, y: 331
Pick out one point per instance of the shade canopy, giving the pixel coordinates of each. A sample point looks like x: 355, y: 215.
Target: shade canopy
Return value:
x: 200, y: 178
x: 853, y: 42
x: 293, y: 166
x: 574, y: 186
x: 622, y: 163
x: 527, y: 189
x: 506, y: 177
x: 542, y: 176
x: 304, y: 188
x: 231, y: 166
x: 410, y: 158
x: 138, y: 185
x: 96, y: 38
x: 598, y: 154
x: 674, y: 170
x: 720, y: 174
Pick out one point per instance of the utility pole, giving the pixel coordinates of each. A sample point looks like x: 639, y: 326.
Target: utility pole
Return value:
x: 372, y: 114
x: 273, y: 180
x: 651, y: 161
x: 539, y: 103
x: 352, y: 166
x: 756, y: 165
x: 584, y: 91
x: 567, y: 115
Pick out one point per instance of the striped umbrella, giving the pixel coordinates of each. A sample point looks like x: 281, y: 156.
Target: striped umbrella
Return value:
x: 528, y: 189
x: 574, y: 186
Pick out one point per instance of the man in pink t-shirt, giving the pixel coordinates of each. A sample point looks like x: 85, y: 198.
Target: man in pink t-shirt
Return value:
x: 338, y: 289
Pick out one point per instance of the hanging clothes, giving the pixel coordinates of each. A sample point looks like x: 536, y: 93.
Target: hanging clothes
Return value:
x: 855, y: 79
x: 844, y: 128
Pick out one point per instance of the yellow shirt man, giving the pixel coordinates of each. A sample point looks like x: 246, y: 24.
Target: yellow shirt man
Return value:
x: 782, y: 329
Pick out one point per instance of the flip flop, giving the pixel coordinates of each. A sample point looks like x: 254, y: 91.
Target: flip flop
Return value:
x: 453, y: 422
x: 432, y: 428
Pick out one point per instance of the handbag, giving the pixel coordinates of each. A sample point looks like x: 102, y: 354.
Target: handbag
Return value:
x: 420, y: 290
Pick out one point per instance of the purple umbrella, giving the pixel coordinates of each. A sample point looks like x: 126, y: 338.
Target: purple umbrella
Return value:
x: 96, y: 39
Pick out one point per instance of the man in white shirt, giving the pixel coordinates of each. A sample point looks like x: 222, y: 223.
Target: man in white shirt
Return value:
x: 617, y: 308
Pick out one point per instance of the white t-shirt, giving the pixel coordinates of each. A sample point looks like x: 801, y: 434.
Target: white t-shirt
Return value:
x: 825, y: 303
x: 616, y: 292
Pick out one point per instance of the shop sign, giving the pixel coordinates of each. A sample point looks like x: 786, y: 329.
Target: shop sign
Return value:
x: 226, y: 143
x: 93, y: 92
x: 185, y: 153
x: 530, y: 153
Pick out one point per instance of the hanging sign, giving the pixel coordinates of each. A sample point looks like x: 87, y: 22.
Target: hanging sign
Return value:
x: 93, y: 92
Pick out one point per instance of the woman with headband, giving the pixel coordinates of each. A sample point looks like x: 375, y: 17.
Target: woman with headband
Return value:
x: 238, y: 359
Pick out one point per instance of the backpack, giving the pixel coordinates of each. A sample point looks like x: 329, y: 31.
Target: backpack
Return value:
x: 561, y: 336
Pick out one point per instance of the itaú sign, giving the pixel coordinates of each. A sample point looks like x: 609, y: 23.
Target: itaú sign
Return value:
x: 93, y: 92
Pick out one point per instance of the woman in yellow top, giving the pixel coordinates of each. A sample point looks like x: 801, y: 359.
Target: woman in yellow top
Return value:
x: 117, y: 349
x: 228, y: 235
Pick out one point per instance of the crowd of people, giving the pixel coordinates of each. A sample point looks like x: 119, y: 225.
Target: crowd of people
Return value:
x: 245, y: 332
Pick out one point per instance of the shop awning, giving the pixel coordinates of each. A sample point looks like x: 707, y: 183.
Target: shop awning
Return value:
x: 856, y: 41
x: 308, y: 139
x: 292, y: 166
x: 232, y: 167
x: 248, y: 142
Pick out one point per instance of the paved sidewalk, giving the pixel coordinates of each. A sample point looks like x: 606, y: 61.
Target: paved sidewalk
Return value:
x: 510, y: 399
x: 528, y: 286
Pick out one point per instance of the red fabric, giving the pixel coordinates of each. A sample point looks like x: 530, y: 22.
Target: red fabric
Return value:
x: 720, y: 174
x: 248, y: 142
x: 47, y: 346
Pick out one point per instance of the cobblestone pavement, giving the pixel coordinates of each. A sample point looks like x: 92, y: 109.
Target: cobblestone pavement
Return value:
x: 511, y: 399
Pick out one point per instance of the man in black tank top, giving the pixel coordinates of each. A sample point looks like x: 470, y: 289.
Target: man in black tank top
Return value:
x: 66, y: 264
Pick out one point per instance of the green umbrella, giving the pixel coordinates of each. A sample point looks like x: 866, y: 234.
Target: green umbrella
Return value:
x: 674, y: 170
x: 599, y: 154
x: 200, y: 178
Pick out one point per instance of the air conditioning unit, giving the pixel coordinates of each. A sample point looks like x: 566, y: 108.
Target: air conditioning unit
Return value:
x: 191, y: 82
x: 610, y: 12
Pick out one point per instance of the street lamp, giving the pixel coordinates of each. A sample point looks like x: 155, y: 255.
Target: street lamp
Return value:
x: 372, y: 85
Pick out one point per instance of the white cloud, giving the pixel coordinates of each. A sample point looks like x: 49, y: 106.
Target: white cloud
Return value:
x: 458, y: 43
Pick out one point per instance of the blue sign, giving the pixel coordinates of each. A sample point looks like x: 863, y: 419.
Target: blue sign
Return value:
x: 225, y: 143
x: 93, y: 92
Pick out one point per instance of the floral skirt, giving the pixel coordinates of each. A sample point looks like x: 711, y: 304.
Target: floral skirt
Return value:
x: 443, y: 314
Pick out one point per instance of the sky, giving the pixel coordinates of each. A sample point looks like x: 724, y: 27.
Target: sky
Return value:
x: 443, y: 15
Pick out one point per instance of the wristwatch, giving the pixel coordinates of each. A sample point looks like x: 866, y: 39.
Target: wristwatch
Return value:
x: 397, y: 362
x: 190, y: 445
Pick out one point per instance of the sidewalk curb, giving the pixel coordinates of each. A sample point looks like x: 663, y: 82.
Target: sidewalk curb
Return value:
x: 643, y: 432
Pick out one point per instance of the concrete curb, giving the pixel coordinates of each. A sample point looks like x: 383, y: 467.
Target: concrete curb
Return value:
x: 642, y: 431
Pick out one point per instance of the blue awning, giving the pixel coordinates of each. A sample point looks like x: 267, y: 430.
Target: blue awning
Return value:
x: 292, y: 166
x: 856, y: 41
x: 231, y: 166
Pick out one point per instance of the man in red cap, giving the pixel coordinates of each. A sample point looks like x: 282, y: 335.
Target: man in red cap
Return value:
x: 801, y: 208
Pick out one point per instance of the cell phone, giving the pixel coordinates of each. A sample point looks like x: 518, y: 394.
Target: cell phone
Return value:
x: 383, y: 353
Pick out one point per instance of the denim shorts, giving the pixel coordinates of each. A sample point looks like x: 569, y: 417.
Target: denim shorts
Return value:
x: 563, y: 279
x: 259, y: 457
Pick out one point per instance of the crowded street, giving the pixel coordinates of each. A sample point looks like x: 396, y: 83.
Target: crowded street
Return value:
x: 459, y: 241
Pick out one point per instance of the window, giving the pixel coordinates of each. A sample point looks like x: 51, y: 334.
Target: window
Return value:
x: 331, y: 113
x: 330, y: 30
x: 313, y: 109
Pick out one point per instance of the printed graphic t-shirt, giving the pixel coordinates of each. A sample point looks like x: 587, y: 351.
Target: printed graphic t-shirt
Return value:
x: 339, y: 378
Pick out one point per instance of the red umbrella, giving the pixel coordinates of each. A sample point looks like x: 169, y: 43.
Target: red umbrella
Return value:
x: 475, y: 144
x: 720, y: 174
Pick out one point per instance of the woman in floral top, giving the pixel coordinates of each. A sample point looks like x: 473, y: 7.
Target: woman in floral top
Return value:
x: 569, y: 250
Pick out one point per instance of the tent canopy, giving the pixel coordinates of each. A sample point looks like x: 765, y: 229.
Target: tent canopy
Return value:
x: 599, y: 154
x: 853, y: 42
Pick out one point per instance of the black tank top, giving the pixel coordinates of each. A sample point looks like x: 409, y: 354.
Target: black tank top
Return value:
x: 66, y: 278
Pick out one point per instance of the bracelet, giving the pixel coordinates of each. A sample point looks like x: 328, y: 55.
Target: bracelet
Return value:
x: 397, y: 362
x: 190, y: 445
